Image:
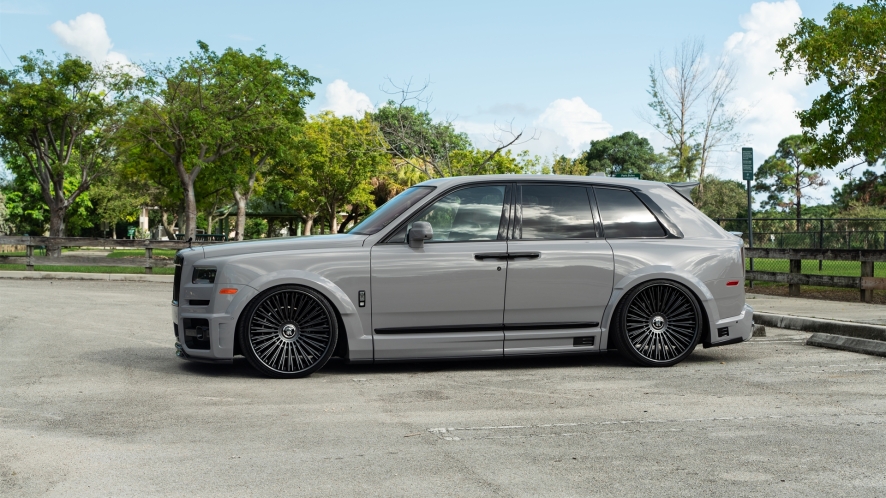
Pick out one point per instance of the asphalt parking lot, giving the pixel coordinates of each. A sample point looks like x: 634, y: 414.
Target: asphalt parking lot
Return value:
x: 94, y: 402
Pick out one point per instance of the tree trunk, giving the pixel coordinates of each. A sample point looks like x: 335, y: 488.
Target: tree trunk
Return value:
x: 190, y: 200
x: 190, y: 211
x: 56, y: 228
x: 333, y: 218
x: 241, y: 213
x: 170, y: 233
x: 309, y: 223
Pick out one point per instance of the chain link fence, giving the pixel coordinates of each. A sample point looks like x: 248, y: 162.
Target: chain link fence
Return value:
x: 813, y: 233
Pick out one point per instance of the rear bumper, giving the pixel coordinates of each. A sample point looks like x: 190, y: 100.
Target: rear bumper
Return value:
x: 732, y: 330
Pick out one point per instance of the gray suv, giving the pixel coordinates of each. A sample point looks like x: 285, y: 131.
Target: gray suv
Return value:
x: 474, y: 267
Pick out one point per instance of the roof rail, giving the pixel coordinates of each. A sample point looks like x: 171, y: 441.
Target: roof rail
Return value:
x: 684, y: 189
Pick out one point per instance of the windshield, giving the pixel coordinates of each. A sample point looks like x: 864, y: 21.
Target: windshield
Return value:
x: 390, y: 210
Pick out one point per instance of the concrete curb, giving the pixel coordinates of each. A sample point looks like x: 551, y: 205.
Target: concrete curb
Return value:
x: 852, y: 344
x: 59, y: 275
x: 849, y: 329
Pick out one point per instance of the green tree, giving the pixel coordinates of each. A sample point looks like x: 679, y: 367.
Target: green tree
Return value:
x: 333, y: 164
x: 722, y: 198
x: 869, y: 189
x: 846, y: 52
x: 59, y: 124
x: 788, y: 174
x: 206, y: 106
x: 625, y: 153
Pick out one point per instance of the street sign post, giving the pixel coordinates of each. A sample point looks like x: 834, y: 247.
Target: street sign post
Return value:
x: 747, y: 174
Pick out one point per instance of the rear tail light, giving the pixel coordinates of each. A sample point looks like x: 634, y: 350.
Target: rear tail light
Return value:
x: 732, y: 283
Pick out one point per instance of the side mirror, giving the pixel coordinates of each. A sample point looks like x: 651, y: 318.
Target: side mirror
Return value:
x: 419, y: 233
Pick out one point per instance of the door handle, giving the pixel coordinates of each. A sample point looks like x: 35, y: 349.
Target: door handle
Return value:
x: 527, y: 255
x: 491, y: 255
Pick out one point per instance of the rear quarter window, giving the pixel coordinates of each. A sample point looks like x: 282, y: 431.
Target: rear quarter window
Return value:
x: 625, y: 216
x: 692, y: 222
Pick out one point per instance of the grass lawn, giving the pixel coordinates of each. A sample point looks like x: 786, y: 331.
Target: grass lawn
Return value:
x: 91, y: 269
x: 140, y: 253
x: 833, y: 268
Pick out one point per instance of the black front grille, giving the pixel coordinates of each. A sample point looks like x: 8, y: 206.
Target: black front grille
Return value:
x: 176, y: 283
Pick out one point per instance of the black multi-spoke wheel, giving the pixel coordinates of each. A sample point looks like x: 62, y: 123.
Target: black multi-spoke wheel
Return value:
x: 288, y: 331
x: 657, y: 324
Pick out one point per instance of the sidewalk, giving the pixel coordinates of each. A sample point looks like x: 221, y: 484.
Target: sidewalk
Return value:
x: 856, y: 327
x: 872, y: 314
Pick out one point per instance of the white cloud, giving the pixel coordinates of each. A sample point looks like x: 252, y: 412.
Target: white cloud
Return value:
x: 770, y: 101
x: 565, y: 127
x: 574, y: 121
x: 343, y: 100
x: 87, y: 37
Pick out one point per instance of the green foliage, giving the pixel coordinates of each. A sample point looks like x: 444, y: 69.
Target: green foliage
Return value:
x: 846, y: 52
x: 566, y: 166
x: 625, y: 153
x: 333, y: 164
x: 59, y: 125
x: 869, y: 189
x: 788, y: 174
x: 412, y: 135
x: 256, y: 228
x: 722, y: 198
x: 208, y: 105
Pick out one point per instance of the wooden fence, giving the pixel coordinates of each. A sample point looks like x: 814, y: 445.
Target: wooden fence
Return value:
x: 148, y: 262
x: 865, y: 282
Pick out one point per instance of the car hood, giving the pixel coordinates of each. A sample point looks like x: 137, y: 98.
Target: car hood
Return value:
x: 283, y: 244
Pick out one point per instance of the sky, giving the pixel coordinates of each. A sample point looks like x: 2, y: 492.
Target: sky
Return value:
x: 565, y: 72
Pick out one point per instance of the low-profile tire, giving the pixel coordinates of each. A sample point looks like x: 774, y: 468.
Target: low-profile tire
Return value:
x: 288, y: 331
x: 657, y: 324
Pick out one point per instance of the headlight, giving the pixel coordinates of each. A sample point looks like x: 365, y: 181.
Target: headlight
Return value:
x: 203, y: 276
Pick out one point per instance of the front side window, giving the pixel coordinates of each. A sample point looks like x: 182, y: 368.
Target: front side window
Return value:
x: 551, y: 212
x: 469, y: 214
x: 624, y: 215
x: 390, y: 210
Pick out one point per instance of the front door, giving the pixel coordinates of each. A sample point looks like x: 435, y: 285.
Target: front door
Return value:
x: 447, y: 298
x: 560, y: 272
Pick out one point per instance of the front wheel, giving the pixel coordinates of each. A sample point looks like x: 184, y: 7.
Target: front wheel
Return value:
x: 288, y: 331
x: 657, y: 324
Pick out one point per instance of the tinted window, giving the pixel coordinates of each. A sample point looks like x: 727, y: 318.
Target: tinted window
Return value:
x: 390, y: 210
x: 556, y: 212
x: 472, y: 213
x: 623, y: 215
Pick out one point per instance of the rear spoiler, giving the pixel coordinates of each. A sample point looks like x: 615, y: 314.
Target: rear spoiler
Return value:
x: 684, y: 189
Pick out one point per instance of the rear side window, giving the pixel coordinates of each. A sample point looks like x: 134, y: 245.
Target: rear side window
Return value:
x: 624, y: 215
x: 552, y: 212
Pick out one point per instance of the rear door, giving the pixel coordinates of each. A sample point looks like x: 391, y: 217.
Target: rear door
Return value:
x: 560, y: 272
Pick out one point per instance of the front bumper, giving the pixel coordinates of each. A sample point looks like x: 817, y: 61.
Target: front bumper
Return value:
x: 180, y: 352
x: 218, y: 323
x: 732, y: 330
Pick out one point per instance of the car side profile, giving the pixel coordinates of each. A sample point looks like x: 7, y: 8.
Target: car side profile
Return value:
x: 474, y: 267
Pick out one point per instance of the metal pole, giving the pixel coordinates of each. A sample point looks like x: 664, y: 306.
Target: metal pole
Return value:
x: 750, y: 231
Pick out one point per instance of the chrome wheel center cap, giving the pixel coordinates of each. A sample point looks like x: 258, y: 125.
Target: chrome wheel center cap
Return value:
x: 289, y: 331
x: 658, y: 323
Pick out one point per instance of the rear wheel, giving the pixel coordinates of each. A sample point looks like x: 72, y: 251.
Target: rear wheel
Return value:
x: 288, y: 331
x: 657, y: 324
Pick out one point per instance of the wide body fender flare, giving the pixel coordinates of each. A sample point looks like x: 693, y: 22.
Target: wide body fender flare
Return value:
x: 646, y: 274
x: 359, y: 344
